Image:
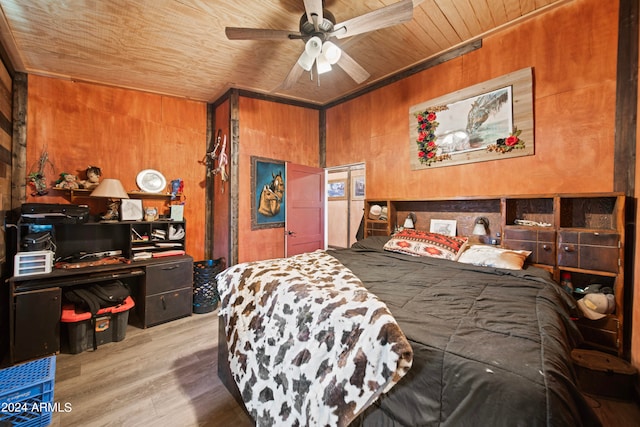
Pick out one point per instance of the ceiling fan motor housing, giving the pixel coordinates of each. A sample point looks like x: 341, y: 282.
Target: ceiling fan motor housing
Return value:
x: 308, y: 30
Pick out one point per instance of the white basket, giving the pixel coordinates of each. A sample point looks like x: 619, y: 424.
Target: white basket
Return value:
x: 36, y: 262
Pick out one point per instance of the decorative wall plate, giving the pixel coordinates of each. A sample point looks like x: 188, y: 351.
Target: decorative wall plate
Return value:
x: 151, y: 181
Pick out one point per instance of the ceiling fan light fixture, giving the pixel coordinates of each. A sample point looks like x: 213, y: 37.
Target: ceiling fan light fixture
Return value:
x: 306, y: 61
x: 313, y: 47
x: 331, y: 52
x: 323, y: 65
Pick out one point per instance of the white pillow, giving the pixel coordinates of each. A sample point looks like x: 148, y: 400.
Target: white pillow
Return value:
x: 492, y: 256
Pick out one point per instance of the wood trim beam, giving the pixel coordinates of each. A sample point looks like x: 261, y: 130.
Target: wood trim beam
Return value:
x: 19, y: 142
x: 278, y: 99
x: 234, y: 176
x: 209, y: 202
x: 624, y: 160
x: 626, y: 99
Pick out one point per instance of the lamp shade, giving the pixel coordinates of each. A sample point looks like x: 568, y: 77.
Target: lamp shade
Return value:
x: 323, y: 65
x: 111, y: 189
x: 410, y: 222
x: 313, y: 47
x: 480, y: 227
x: 306, y: 61
x: 331, y: 52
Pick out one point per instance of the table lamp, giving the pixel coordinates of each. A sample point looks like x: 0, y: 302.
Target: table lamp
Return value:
x: 113, y: 190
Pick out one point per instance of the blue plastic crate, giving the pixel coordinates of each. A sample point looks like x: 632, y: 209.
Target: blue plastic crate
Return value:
x: 26, y: 393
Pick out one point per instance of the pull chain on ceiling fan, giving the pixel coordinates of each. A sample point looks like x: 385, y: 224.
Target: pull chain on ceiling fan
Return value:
x: 317, y: 27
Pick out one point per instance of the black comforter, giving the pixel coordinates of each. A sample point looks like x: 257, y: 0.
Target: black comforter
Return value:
x: 491, y: 346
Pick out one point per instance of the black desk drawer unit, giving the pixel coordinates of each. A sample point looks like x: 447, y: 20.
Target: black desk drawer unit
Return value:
x: 167, y: 306
x: 168, y: 291
x: 169, y: 276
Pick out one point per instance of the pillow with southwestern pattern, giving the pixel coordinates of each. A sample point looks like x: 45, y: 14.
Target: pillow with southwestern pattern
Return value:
x: 491, y: 256
x: 423, y: 243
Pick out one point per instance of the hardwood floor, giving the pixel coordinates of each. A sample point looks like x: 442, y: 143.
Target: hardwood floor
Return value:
x: 167, y: 375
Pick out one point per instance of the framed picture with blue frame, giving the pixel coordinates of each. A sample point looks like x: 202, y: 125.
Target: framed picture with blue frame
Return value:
x: 268, y: 202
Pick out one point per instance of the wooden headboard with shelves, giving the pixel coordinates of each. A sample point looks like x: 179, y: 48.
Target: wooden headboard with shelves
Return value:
x: 582, y: 235
x: 464, y: 211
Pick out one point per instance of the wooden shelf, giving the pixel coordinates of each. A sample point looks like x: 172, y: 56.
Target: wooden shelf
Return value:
x: 82, y: 193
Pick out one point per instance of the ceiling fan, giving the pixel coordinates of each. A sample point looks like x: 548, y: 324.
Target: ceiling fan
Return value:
x: 317, y: 27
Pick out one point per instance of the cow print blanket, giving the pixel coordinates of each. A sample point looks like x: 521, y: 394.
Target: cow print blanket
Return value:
x: 308, y: 344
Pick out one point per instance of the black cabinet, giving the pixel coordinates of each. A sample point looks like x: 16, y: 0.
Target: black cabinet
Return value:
x: 167, y: 293
x: 36, y: 331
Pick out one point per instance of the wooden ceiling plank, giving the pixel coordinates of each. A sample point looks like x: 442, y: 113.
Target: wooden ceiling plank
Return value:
x: 470, y: 18
x: 424, y: 19
x: 178, y: 47
x: 483, y: 14
x: 498, y: 11
x: 527, y: 6
x: 458, y: 23
x: 512, y: 9
x: 440, y: 21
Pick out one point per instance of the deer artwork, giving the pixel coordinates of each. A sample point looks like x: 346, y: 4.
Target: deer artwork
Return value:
x: 271, y: 196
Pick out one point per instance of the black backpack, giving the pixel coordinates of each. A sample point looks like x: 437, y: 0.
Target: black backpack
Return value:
x: 94, y: 297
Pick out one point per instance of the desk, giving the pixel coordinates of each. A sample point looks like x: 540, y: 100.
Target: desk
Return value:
x: 162, y: 289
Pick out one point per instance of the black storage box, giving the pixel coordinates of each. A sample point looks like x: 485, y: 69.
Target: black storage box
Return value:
x: 110, y: 326
x: 603, y: 374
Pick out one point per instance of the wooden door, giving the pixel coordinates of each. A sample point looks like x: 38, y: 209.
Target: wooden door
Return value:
x: 305, y: 209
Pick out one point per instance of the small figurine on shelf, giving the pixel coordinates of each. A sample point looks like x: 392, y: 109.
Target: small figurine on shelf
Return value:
x: 67, y: 181
x: 177, y: 186
x: 93, y: 178
x: 150, y: 213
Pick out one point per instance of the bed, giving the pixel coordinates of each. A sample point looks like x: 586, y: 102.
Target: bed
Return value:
x: 488, y: 345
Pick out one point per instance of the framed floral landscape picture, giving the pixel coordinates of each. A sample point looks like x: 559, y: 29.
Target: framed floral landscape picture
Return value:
x: 488, y: 121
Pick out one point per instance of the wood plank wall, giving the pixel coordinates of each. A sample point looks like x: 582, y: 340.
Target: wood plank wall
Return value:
x: 6, y: 154
x: 123, y: 132
x: 276, y: 131
x: 572, y: 50
x: 6, y: 131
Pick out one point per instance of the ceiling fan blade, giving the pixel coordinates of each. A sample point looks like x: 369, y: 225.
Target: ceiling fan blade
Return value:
x: 351, y: 67
x: 386, y: 16
x: 314, y: 11
x: 237, y: 33
x: 293, y: 76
